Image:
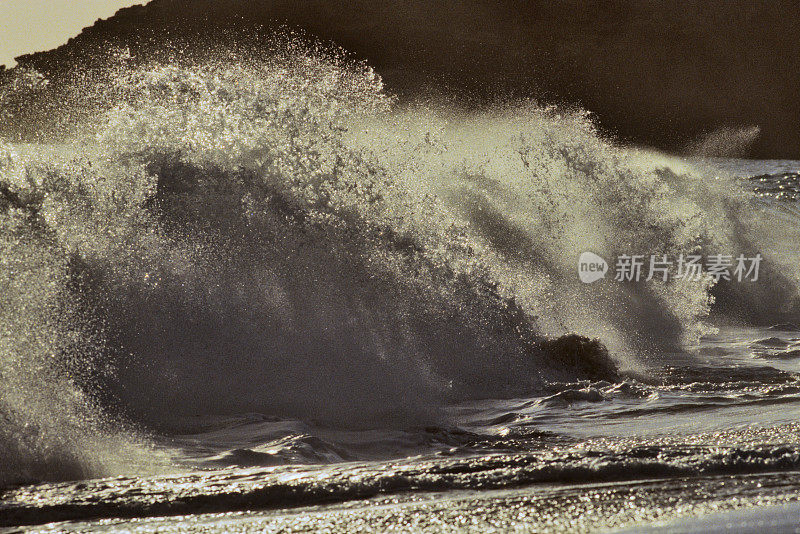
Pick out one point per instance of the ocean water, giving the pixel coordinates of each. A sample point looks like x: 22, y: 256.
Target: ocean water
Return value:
x: 263, y: 295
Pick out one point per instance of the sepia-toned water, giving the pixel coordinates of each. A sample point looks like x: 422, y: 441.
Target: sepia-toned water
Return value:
x: 264, y: 295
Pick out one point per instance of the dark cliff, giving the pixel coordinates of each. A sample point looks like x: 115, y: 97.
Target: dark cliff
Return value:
x: 659, y: 73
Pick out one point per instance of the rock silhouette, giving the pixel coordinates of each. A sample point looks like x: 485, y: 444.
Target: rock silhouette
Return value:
x: 657, y: 73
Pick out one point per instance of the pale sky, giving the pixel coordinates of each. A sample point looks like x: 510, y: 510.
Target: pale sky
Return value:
x: 33, y: 25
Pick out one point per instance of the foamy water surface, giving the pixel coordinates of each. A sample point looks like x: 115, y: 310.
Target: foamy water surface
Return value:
x: 264, y: 284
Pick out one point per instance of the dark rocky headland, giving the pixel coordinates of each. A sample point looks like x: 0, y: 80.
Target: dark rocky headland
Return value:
x: 658, y: 73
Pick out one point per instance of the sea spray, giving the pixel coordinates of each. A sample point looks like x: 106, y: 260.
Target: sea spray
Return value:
x: 275, y: 234
x: 52, y: 428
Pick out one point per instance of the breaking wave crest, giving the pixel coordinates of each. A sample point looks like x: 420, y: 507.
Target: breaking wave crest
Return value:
x: 277, y: 234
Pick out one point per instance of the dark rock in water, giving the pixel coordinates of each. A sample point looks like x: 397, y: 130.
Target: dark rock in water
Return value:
x: 589, y: 357
x: 655, y: 73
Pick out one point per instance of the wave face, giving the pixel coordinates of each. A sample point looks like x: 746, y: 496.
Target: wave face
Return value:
x: 275, y: 234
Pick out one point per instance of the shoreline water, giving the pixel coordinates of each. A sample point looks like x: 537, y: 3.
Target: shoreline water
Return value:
x: 251, y: 288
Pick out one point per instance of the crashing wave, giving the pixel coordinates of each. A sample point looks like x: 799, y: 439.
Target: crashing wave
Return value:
x: 276, y: 234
